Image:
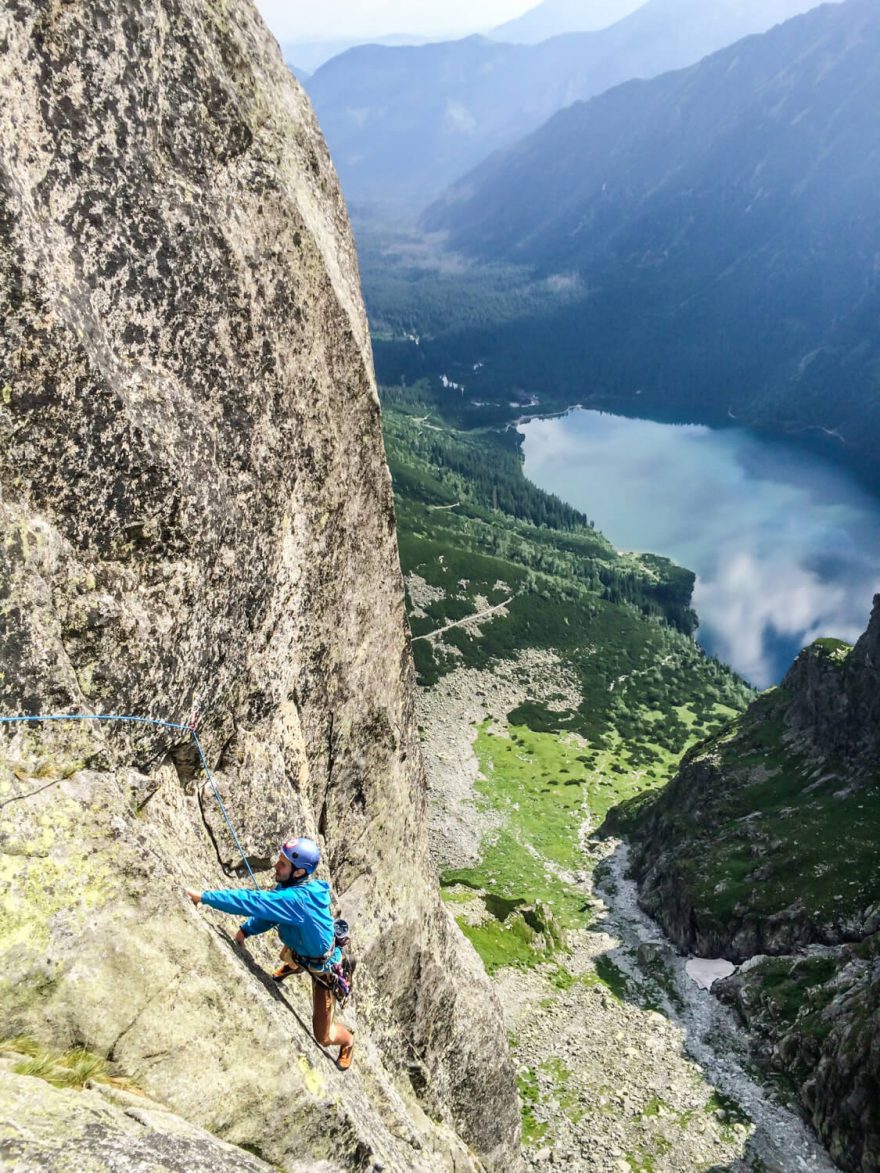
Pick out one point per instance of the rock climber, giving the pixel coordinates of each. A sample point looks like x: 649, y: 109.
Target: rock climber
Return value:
x: 299, y: 907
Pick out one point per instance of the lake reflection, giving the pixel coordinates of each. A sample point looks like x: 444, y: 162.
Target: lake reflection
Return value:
x: 786, y: 546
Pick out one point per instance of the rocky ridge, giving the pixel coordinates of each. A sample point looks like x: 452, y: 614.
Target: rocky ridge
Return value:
x: 806, y: 751
x: 197, y: 521
x: 835, y: 697
x: 765, y: 844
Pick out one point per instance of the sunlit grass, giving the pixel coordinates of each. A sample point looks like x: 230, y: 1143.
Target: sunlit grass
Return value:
x: 62, y: 1069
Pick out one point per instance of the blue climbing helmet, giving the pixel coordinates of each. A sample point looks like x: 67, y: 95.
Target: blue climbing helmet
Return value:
x: 302, y: 853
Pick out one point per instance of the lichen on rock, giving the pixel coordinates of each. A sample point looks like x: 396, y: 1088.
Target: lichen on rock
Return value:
x: 106, y: 1129
x: 196, y: 514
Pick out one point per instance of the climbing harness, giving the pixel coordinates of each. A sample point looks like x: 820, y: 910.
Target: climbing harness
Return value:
x: 312, y: 962
x: 190, y: 728
x: 337, y: 978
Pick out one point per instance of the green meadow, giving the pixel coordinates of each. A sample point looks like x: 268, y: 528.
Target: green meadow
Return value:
x: 475, y: 534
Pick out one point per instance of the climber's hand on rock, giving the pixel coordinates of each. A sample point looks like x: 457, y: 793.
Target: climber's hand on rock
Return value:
x: 240, y: 937
x: 195, y: 897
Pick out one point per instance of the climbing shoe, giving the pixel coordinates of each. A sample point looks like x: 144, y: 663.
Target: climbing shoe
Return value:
x: 346, y: 1055
x: 284, y: 971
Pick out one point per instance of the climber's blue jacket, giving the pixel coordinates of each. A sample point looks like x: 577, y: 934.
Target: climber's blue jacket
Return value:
x: 301, y: 913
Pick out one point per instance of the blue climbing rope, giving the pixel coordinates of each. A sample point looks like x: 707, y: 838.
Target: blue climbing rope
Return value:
x: 162, y: 725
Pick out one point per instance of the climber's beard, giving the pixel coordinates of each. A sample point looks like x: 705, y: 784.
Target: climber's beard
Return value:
x: 283, y: 870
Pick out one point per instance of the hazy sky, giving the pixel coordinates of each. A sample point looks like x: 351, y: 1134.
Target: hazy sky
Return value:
x: 297, y: 20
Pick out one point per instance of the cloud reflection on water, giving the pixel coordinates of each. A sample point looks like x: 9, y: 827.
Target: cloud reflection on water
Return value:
x: 786, y: 547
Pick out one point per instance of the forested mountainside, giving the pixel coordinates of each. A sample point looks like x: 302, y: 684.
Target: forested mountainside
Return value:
x: 766, y: 843
x: 196, y: 525
x: 630, y: 686
x: 720, y: 224
x: 404, y: 122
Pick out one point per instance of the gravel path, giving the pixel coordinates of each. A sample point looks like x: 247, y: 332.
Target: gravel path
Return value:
x: 466, y: 622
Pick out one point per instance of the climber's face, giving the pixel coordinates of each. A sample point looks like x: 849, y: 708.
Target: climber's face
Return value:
x: 285, y: 871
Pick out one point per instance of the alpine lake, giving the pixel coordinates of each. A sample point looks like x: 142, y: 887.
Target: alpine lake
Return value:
x: 784, y: 542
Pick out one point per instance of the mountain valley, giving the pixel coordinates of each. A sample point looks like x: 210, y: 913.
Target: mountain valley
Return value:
x: 713, y: 231
x: 612, y: 908
x: 512, y: 724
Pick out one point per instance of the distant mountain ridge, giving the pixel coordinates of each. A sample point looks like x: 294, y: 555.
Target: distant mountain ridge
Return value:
x: 313, y: 54
x: 553, y: 18
x: 723, y: 220
x: 403, y: 123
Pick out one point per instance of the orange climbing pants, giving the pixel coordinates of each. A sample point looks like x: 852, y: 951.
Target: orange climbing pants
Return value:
x: 322, y: 1013
x: 322, y: 1002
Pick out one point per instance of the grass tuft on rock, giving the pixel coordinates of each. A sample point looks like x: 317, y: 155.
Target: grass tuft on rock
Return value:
x: 63, y: 1069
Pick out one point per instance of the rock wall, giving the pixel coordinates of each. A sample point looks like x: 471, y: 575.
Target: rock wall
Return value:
x: 105, y: 1128
x: 765, y: 843
x: 196, y: 515
x: 815, y: 1024
x: 836, y: 696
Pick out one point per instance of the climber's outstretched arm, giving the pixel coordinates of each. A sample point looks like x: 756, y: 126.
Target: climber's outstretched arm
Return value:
x: 279, y: 907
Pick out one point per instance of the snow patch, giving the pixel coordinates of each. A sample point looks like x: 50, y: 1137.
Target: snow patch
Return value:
x: 705, y: 972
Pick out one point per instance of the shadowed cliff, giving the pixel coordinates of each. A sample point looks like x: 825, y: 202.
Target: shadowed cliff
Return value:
x: 764, y: 849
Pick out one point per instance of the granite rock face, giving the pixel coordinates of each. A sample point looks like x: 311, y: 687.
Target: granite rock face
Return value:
x: 196, y: 518
x: 47, y: 1127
